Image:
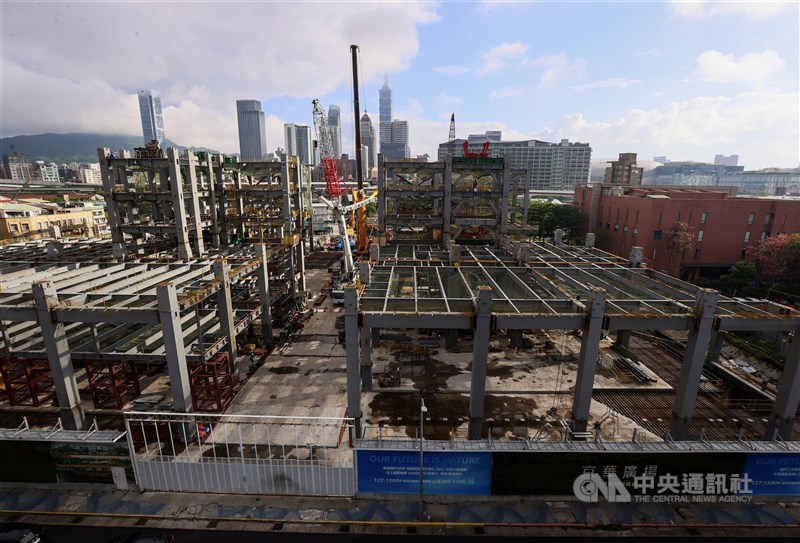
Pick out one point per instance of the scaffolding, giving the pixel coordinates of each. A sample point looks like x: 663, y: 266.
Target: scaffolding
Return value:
x: 28, y: 381
x: 113, y: 383
x: 214, y: 384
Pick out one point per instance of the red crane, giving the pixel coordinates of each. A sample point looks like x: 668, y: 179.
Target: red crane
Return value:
x: 483, y: 154
x: 326, y: 151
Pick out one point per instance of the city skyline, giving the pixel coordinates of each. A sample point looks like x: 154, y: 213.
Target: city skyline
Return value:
x: 684, y: 80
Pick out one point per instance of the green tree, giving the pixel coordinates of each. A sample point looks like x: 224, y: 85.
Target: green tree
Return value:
x: 548, y: 216
x: 741, y: 280
x: 679, y: 238
x: 777, y: 258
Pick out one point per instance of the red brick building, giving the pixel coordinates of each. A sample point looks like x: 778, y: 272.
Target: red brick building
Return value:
x: 721, y: 225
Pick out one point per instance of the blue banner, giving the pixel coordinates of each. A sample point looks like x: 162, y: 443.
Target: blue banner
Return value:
x: 444, y: 472
x: 773, y: 474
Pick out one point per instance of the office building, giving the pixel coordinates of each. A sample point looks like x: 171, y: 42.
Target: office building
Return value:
x: 152, y: 120
x: 689, y: 173
x: 252, y: 130
x: 300, y: 143
x: 722, y: 160
x: 385, y: 110
x: 335, y: 126
x: 394, y: 140
x: 370, y: 141
x: 551, y: 166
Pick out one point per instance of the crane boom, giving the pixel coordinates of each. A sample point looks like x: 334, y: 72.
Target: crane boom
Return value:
x: 326, y: 151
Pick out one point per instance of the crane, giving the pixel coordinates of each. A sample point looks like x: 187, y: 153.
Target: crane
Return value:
x: 333, y: 188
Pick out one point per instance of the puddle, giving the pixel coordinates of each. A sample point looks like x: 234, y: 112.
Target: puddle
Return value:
x: 283, y: 370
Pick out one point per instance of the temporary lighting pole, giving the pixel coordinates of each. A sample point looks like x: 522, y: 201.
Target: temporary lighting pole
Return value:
x: 422, y: 411
x: 357, y: 112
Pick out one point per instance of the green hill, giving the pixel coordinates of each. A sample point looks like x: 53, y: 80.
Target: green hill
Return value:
x: 61, y: 148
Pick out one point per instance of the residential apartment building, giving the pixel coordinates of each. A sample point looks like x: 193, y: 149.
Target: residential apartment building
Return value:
x: 551, y: 166
x: 252, y: 130
x: 721, y: 225
x: 624, y: 171
x: 25, y: 221
x: 90, y: 173
x: 18, y: 167
x: 48, y: 172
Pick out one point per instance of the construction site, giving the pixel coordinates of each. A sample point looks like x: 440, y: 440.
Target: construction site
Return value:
x: 209, y: 331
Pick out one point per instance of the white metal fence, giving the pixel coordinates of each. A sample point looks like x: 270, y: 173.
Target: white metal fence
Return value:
x: 241, y: 454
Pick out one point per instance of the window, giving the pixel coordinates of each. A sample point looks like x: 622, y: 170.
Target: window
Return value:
x: 697, y: 254
x: 14, y: 227
x: 767, y: 218
x: 657, y: 234
x: 700, y: 236
x: 751, y: 218
x: 703, y: 217
x: 25, y: 227
x: 625, y: 229
x: 784, y: 219
x: 635, y: 231
x: 616, y: 227
x: 679, y: 217
x: 746, y: 237
x: 763, y: 236
x: 660, y: 216
x: 654, y: 254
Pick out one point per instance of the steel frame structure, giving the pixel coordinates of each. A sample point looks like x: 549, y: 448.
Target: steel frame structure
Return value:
x: 525, y: 286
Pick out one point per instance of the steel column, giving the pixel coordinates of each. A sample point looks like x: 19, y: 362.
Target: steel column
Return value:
x: 715, y: 348
x: 587, y: 361
x: 366, y: 360
x: 448, y: 202
x: 225, y: 307
x: 58, y: 355
x: 263, y: 294
x: 351, y: 330
x: 112, y: 207
x: 623, y: 338
x: 788, y: 399
x: 178, y: 205
x: 480, y: 358
x: 692, y: 365
x: 195, y: 203
x: 175, y: 350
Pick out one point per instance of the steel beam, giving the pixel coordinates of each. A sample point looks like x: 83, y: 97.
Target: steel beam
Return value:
x: 587, y: 360
x: 58, y: 355
x: 175, y: 350
x: 480, y: 359
x: 263, y: 293
x: 692, y: 366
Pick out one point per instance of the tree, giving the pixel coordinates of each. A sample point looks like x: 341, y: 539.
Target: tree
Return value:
x: 741, y: 280
x: 777, y: 258
x: 548, y: 216
x: 679, y: 238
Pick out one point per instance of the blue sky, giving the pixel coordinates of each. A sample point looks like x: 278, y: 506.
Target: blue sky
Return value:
x: 685, y: 80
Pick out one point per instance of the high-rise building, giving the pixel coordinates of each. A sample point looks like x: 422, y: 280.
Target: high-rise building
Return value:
x: 384, y: 105
x: 369, y: 140
x: 90, y: 173
x: 624, y: 171
x: 551, y: 166
x: 48, y: 172
x: 252, y: 130
x: 335, y: 125
x: 394, y: 144
x: 299, y: 143
x: 152, y: 120
x: 722, y: 160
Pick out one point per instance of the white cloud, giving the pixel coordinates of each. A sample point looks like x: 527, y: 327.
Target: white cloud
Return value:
x: 558, y: 68
x: 509, y: 92
x: 451, y: 70
x: 700, y: 9
x: 750, y: 68
x: 497, y: 58
x: 615, y: 83
x: 761, y: 128
x: 446, y: 101
x: 650, y: 53
x: 77, y: 66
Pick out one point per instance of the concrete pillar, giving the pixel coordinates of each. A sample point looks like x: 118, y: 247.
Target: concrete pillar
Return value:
x: 515, y: 339
x: 212, y: 192
x: 366, y: 360
x: 225, y: 306
x: 558, y: 236
x: 45, y: 300
x: 170, y: 315
x: 480, y: 359
x: 194, y: 204
x: 352, y: 345
x: 623, y: 338
x: 455, y: 253
x: 506, y: 194
x: 590, y: 240
x: 376, y: 337
x: 178, y: 205
x: 381, y: 200
x: 692, y: 365
x: 374, y: 252
x: 715, y: 348
x: 447, y: 205
x: 587, y: 360
x: 451, y: 339
x: 112, y: 207
x: 788, y: 399
x: 300, y: 257
x: 636, y: 257
x: 526, y: 204
x: 364, y: 272
x: 263, y: 294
